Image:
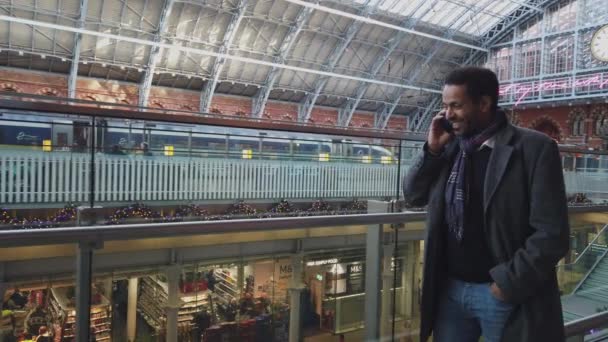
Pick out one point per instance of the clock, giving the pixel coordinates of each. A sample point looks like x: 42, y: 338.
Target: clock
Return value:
x: 599, y: 44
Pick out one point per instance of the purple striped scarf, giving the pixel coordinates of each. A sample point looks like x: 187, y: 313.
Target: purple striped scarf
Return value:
x: 457, y: 187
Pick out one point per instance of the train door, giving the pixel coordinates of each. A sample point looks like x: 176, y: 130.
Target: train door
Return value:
x: 342, y: 149
x: 63, y: 135
x: 81, y: 134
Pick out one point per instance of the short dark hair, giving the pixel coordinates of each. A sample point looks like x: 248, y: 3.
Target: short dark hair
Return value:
x: 479, y: 82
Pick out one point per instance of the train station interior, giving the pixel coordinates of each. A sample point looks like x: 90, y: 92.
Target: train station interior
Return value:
x: 233, y: 170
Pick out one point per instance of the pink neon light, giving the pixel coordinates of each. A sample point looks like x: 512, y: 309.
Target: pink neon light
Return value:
x: 521, y: 90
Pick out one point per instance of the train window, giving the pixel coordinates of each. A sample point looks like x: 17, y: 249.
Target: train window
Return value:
x: 239, y: 143
x: 178, y: 139
x: 275, y: 148
x: 304, y: 149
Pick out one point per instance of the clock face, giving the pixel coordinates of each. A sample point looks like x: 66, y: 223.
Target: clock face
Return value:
x: 599, y: 44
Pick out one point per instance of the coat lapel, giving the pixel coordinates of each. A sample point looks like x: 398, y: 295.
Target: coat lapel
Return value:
x: 499, y: 159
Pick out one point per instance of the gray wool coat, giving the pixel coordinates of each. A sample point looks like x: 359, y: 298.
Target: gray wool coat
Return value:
x: 526, y: 226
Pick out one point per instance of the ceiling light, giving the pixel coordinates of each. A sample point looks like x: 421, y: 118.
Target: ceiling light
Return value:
x: 172, y: 74
x: 43, y: 56
x: 103, y: 65
x: 85, y: 62
x: 189, y: 76
x: 20, y: 53
x: 122, y: 67
x: 63, y: 59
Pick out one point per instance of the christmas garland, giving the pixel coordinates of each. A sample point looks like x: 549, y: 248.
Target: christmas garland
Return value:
x: 240, y: 209
x: 356, y: 206
x: 134, y: 210
x: 68, y: 213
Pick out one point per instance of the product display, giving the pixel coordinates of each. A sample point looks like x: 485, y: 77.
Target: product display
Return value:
x: 62, y: 309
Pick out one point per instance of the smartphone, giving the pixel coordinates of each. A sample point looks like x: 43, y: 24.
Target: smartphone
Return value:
x: 446, y: 125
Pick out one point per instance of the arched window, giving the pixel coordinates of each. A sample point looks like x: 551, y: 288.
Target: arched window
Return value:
x: 157, y: 104
x: 549, y: 127
x: 600, y: 122
x: 48, y: 92
x: 9, y: 88
x: 578, y: 126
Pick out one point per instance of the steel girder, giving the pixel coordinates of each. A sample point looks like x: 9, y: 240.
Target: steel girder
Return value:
x: 305, y: 108
x: 84, y: 4
x: 387, y: 111
x: 155, y: 54
x: 507, y: 25
x: 260, y: 99
x: 218, y: 65
x: 499, y: 31
x: 345, y: 113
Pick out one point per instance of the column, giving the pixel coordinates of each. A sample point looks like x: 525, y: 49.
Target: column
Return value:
x: 132, y: 309
x: 240, y: 284
x: 84, y: 260
x: 387, y: 282
x: 295, y: 299
x: 373, y: 262
x: 240, y: 277
x: 173, y: 302
x: 409, y: 280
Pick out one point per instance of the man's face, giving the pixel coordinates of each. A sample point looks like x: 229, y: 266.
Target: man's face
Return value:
x: 465, y: 115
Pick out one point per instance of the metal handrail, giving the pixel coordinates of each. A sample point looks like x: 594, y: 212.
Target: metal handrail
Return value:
x: 68, y: 106
x: 597, y: 261
x: 587, y: 247
x: 583, y: 325
x: 37, y: 237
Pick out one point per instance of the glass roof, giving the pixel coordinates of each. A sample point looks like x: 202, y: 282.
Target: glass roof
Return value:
x: 472, y: 17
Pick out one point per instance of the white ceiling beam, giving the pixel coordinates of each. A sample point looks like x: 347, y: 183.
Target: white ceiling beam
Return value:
x: 155, y: 54
x: 84, y: 4
x: 218, y: 64
x: 383, y: 24
x: 209, y: 53
x: 261, y: 98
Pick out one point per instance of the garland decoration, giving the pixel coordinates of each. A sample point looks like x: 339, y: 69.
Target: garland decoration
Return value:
x: 67, y: 213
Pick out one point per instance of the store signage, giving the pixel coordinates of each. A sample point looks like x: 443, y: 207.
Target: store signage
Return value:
x: 355, y: 268
x: 524, y: 89
x: 322, y: 262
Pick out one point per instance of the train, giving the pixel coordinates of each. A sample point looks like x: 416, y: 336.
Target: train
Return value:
x: 157, y: 139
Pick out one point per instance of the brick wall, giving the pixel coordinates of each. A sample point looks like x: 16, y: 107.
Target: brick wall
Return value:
x: 31, y: 82
x: 556, y: 121
x: 560, y: 121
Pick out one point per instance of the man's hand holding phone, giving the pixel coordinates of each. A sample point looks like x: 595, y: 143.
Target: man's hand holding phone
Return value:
x: 440, y: 133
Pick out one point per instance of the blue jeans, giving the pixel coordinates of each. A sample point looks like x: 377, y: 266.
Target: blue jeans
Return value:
x: 468, y: 311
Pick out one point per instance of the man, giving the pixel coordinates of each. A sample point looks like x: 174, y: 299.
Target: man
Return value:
x: 497, y: 221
